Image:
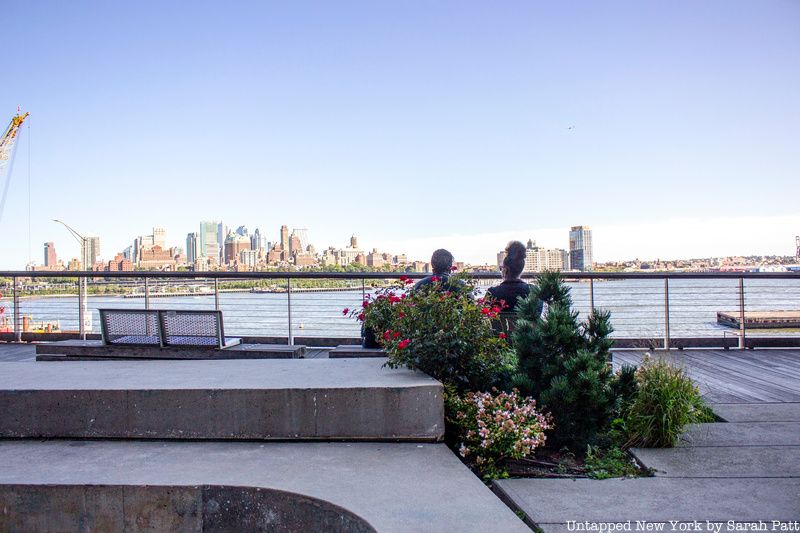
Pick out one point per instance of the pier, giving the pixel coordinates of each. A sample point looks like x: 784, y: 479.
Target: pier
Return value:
x: 760, y: 319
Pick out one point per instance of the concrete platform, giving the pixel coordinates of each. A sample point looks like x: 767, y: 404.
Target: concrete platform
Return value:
x: 741, y: 434
x: 758, y: 412
x: 390, y: 487
x: 90, y: 349
x: 551, y: 503
x: 722, y: 461
x: 349, y: 399
x: 346, y: 350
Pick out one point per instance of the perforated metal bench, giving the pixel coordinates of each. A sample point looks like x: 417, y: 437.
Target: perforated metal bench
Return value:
x: 164, y: 328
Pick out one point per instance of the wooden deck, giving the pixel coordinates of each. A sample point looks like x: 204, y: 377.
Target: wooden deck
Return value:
x: 734, y: 376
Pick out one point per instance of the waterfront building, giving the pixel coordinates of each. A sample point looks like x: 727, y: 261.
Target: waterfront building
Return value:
x: 539, y: 259
x: 235, y: 243
x: 207, y: 243
x: 191, y: 247
x: 580, y: 248
x: 50, y: 258
x: 156, y: 258
x: 248, y: 258
x: 119, y: 264
x: 92, y: 249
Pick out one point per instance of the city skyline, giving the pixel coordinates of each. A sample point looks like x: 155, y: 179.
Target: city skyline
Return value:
x: 412, y: 125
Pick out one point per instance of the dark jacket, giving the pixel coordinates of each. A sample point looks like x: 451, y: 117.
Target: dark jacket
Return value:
x: 510, y: 291
x: 444, y: 279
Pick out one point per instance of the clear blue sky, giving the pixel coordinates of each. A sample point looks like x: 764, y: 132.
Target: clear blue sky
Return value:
x: 402, y: 121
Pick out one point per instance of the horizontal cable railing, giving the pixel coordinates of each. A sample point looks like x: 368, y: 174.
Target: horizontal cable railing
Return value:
x: 659, y: 309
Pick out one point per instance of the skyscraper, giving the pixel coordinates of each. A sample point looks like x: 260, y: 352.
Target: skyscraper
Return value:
x: 285, y: 238
x: 207, y: 243
x: 92, y: 252
x: 50, y: 258
x: 191, y: 248
x: 580, y: 248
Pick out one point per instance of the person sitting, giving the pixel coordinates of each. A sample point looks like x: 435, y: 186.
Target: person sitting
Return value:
x: 512, y: 288
x: 441, y: 265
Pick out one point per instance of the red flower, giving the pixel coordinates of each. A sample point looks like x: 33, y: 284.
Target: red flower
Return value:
x: 503, y: 336
x: 393, y: 299
x: 396, y: 334
x: 403, y: 344
x: 361, y: 317
x: 364, y: 304
x: 403, y: 278
x: 434, y: 279
x: 453, y: 268
x: 496, y: 309
x: 401, y: 314
x: 345, y: 310
x: 503, y: 304
x: 485, y: 311
x: 387, y: 334
x: 409, y: 281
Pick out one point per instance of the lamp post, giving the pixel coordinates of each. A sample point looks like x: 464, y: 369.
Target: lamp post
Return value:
x: 83, y: 241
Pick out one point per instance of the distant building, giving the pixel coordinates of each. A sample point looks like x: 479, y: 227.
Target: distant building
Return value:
x: 119, y: 264
x: 208, y: 244
x: 191, y: 248
x: 539, y: 259
x: 50, y: 259
x: 156, y: 258
x: 234, y: 244
x: 580, y: 248
x: 92, y: 249
x: 248, y: 259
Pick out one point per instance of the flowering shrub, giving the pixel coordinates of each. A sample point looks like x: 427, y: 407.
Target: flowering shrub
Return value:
x: 494, y: 426
x: 442, y: 330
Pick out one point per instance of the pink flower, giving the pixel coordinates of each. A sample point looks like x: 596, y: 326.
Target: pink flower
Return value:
x: 361, y: 317
x: 345, y: 310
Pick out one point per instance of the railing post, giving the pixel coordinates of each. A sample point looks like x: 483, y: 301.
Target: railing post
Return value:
x: 742, y: 328
x: 15, y: 298
x: 666, y: 313
x: 289, y: 308
x: 363, y: 290
x: 82, y: 306
x: 591, y: 296
x: 147, y: 293
x: 216, y: 294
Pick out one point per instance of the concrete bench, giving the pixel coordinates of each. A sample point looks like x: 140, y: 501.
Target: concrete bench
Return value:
x: 145, y: 327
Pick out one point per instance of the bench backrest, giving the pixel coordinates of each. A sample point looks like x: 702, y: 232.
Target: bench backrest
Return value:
x: 130, y: 327
x: 192, y: 328
x: 162, y: 327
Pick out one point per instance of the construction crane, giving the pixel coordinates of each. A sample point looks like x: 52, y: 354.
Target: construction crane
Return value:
x: 7, y: 143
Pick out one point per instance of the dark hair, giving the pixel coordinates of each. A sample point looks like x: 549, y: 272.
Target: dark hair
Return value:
x: 441, y: 261
x: 515, y: 258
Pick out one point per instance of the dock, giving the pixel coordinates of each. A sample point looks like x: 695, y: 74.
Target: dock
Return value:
x: 760, y: 319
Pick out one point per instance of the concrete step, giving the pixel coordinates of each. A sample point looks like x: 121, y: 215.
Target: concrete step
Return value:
x: 552, y: 503
x: 347, y: 399
x: 243, y: 486
x: 722, y: 461
x: 94, y: 348
x: 758, y: 412
x: 741, y: 434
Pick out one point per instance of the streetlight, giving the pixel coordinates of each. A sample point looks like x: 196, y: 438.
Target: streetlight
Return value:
x: 83, y: 241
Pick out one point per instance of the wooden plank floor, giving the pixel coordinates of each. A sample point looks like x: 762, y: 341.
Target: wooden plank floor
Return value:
x: 734, y: 376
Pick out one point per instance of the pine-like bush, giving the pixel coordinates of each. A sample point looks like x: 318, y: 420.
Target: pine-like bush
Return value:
x: 563, y: 362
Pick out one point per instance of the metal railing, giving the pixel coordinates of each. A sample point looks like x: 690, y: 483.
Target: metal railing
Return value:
x: 280, y: 302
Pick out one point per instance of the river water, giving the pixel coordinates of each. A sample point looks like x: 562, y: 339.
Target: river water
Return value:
x: 637, y: 307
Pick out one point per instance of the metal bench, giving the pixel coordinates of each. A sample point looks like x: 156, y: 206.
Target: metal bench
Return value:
x: 164, y: 328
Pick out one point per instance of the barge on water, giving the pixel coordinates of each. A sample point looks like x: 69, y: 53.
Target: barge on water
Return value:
x: 760, y: 319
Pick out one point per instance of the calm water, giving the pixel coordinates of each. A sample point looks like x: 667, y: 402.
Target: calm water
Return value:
x: 637, y: 307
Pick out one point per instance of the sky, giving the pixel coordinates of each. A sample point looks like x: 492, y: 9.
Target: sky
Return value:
x: 670, y: 128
